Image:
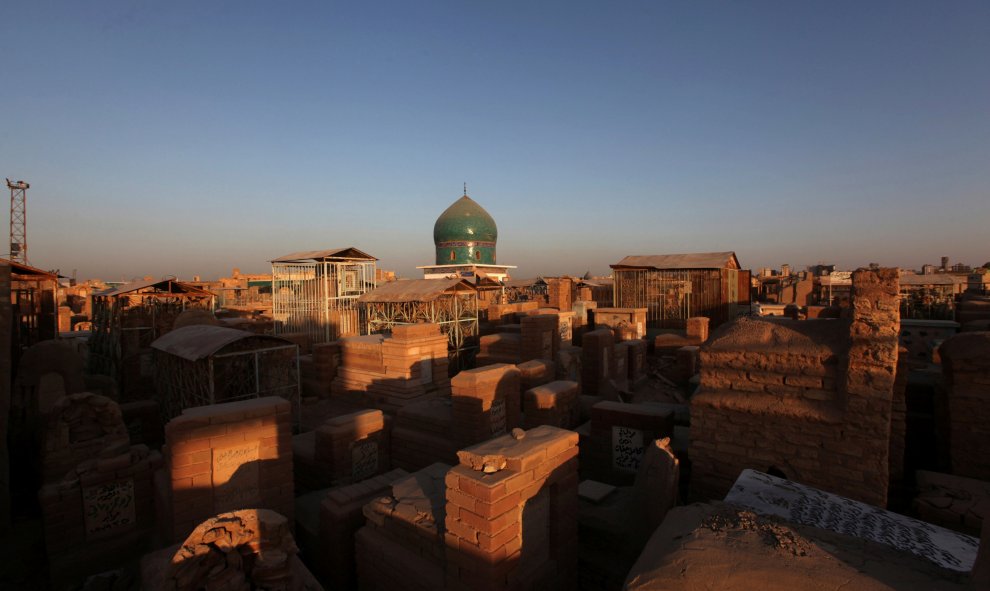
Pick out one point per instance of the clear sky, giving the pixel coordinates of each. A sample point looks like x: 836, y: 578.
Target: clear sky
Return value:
x: 192, y: 137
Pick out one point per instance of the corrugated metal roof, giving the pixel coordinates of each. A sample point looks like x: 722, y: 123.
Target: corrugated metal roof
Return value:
x: 348, y: 252
x: 159, y: 284
x: 695, y: 260
x: 202, y: 340
x: 415, y: 290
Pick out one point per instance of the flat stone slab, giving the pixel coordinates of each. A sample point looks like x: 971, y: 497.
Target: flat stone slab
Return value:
x: 797, y: 503
x: 594, y: 491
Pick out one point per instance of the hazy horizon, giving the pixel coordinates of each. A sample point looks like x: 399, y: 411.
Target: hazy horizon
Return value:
x: 190, y: 138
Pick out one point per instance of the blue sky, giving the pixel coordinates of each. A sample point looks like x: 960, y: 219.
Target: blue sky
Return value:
x: 192, y: 137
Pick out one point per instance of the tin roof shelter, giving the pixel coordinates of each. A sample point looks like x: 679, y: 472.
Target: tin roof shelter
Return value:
x: 450, y: 303
x: 128, y: 318
x: 203, y: 364
x: 33, y: 298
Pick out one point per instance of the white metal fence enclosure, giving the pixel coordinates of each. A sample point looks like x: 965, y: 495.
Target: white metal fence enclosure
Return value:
x: 316, y: 293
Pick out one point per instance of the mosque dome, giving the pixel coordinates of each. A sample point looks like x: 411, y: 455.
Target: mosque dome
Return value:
x: 465, y: 233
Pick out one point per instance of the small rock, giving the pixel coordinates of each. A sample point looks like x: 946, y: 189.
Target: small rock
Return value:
x: 518, y: 434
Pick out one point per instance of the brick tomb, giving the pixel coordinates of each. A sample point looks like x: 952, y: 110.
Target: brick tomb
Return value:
x: 809, y: 399
x: 965, y: 407
x: 619, y: 433
x: 344, y: 449
x: 226, y: 457
x: 391, y: 372
x: 504, y: 518
x: 484, y: 404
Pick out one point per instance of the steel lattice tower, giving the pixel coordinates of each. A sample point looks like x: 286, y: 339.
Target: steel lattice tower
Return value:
x: 18, y: 221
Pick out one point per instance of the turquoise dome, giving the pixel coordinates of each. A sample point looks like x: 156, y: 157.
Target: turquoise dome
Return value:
x: 465, y: 233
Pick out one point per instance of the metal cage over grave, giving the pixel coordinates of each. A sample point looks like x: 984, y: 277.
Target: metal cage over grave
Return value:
x: 201, y: 365
x: 127, y: 319
x: 450, y: 303
x: 676, y: 287
x: 33, y: 293
x: 316, y: 292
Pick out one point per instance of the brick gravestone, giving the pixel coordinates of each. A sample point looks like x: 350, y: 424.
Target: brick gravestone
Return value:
x: 511, y: 514
x: 619, y: 434
x: 966, y: 371
x: 555, y: 403
x: 485, y: 403
x: 539, y: 337
x: 227, y: 457
x: 98, y: 501
x: 353, y: 447
x: 597, y: 361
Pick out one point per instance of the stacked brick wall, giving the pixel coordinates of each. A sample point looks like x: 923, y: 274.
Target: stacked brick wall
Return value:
x: 318, y: 370
x: 508, y: 313
x: 226, y: 457
x: 341, y: 517
x: 555, y: 404
x: 484, y: 403
x: 559, y: 293
x: 535, y: 373
x: 511, y: 513
x: 391, y: 372
x: 966, y: 372
x: 597, y: 361
x: 810, y: 399
x: 501, y: 347
x: 618, y: 435
x: 422, y: 435
x: 539, y: 337
x: 633, y: 319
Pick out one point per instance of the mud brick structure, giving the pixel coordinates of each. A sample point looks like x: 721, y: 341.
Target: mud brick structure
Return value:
x: 341, y: 516
x: 618, y: 435
x: 619, y: 318
x: 504, y: 518
x: 809, y: 399
x: 422, y: 435
x: 511, y: 513
x: 484, y: 403
x: 634, y: 352
x: 353, y: 447
x: 568, y: 363
x: 391, y: 372
x: 898, y: 417
x: 696, y: 329
x: 318, y: 370
x: 100, y: 514
x: 501, y: 347
x: 597, y: 361
x: 687, y: 362
x: 555, y: 404
x: 535, y: 373
x: 581, y: 308
x: 225, y: 457
x: 81, y: 427
x: 560, y: 292
x: 401, y: 545
x: 248, y: 549
x: 509, y: 313
x: 539, y: 337
x: 965, y: 412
